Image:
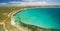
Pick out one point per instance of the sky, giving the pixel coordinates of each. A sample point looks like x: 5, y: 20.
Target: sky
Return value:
x: 28, y: 2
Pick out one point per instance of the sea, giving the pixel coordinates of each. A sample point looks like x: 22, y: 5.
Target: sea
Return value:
x: 48, y: 18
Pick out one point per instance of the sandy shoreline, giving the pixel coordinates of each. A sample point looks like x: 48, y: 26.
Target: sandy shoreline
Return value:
x: 12, y: 22
x: 12, y: 19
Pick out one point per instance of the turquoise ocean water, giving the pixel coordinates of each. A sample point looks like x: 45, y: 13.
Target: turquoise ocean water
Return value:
x: 48, y: 18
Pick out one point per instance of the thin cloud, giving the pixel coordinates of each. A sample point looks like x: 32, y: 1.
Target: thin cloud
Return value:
x: 34, y: 3
x: 3, y: 3
x: 24, y: 3
x: 30, y: 3
x: 14, y: 2
x: 31, y: 0
x: 18, y: 3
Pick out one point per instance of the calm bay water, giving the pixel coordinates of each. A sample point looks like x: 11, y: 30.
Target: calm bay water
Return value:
x: 48, y: 18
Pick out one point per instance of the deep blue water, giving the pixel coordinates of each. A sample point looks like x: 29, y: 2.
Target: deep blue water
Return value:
x: 48, y: 18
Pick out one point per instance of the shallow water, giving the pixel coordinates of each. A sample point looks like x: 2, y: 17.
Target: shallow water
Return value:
x: 48, y: 18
